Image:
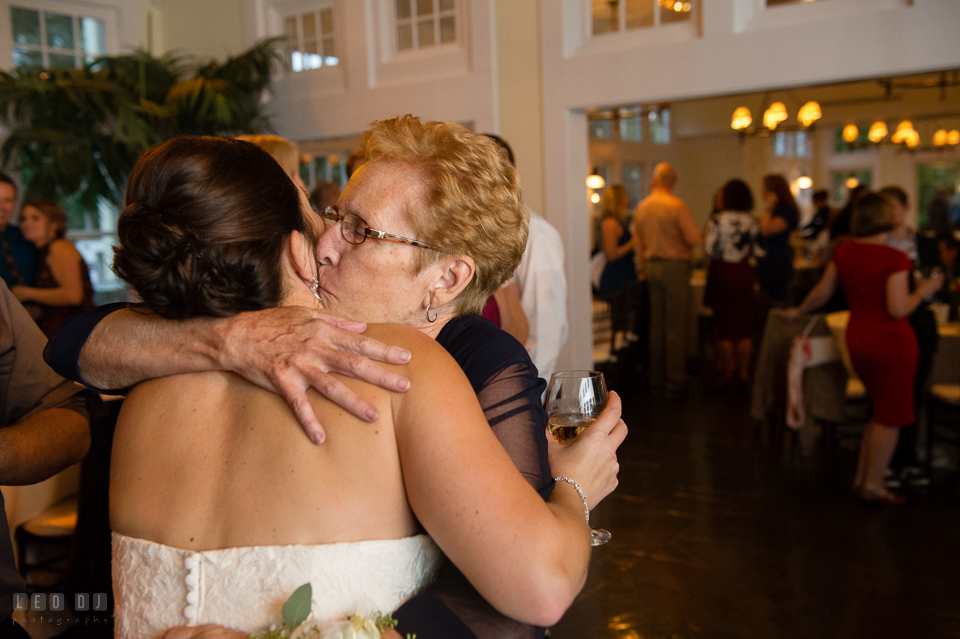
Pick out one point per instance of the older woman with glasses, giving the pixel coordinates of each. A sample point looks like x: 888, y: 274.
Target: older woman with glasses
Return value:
x: 425, y: 230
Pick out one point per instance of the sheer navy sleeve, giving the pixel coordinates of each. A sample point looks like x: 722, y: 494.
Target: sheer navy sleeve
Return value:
x: 509, y: 390
x: 62, y: 353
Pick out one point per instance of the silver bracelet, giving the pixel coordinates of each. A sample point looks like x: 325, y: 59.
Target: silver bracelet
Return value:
x: 576, y: 486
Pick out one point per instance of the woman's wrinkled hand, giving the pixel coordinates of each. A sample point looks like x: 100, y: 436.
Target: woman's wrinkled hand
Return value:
x: 206, y: 631
x: 590, y: 459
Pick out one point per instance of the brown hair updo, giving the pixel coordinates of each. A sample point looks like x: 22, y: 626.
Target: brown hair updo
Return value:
x: 204, y: 228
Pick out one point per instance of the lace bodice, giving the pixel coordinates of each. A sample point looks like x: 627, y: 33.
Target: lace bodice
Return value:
x: 157, y: 587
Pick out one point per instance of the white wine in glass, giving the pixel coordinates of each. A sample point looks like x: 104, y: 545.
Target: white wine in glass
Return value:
x: 574, y: 401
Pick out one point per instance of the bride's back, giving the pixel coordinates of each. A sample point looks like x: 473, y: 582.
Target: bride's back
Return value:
x: 207, y: 461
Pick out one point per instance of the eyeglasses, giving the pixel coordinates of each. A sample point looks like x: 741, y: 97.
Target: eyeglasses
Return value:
x: 355, y: 230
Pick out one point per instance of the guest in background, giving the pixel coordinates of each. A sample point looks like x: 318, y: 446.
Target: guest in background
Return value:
x: 840, y: 225
x: 666, y: 235
x: 616, y: 241
x: 821, y: 217
x: 44, y: 428
x: 542, y: 286
x: 285, y: 152
x: 732, y: 240
x: 324, y: 194
x: 904, y: 466
x: 881, y: 343
x: 948, y: 248
x: 63, y: 287
x: 779, y: 219
x: 19, y: 264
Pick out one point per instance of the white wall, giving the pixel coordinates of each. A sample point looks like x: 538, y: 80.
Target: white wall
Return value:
x: 201, y: 28
x: 743, y: 48
x: 370, y: 83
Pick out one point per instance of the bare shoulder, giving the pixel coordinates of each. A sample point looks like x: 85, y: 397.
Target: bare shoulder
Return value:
x: 63, y: 249
x: 429, y: 359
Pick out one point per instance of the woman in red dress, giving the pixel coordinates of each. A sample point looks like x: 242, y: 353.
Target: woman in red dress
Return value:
x: 881, y: 343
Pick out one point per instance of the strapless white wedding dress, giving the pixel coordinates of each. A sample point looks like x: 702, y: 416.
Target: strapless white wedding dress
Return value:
x: 157, y: 587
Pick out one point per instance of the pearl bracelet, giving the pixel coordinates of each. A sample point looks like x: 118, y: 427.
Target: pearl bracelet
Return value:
x: 576, y: 486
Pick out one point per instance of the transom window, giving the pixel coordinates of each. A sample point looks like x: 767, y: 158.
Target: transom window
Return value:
x: 425, y: 23
x: 53, y: 39
x: 311, y: 40
x: 613, y: 16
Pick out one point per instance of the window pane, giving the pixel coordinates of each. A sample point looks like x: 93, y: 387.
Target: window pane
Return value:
x: 296, y: 61
x: 600, y: 128
x: 310, y: 46
x: 404, y: 37
x: 448, y: 30
x: 639, y: 14
x: 26, y: 25
x: 630, y: 178
x: 61, y: 61
x: 424, y: 7
x: 630, y: 128
x: 59, y: 31
x: 675, y: 11
x: 780, y: 144
x: 606, y: 16
x: 320, y: 168
x: 329, y: 50
x: 23, y: 57
x: 425, y: 33
x: 292, y: 28
x: 313, y: 61
x: 326, y: 21
x: 93, y: 36
x: 446, y: 5
x: 309, y: 25
x: 305, y: 173
x: 660, y: 126
x: 403, y: 9
x: 336, y: 170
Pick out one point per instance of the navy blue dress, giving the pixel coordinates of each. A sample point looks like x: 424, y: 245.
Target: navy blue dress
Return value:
x: 509, y: 390
x: 776, y: 269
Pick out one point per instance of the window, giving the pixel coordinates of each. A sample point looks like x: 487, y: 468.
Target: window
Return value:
x: 845, y: 181
x: 660, y: 126
x: 862, y: 143
x: 425, y: 23
x: 601, y: 127
x: 938, y: 189
x: 310, y: 39
x: 631, y: 125
x: 791, y: 144
x: 631, y: 178
x: 55, y: 40
x: 612, y: 16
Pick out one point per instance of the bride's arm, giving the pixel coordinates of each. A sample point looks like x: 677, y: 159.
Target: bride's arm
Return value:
x: 527, y: 558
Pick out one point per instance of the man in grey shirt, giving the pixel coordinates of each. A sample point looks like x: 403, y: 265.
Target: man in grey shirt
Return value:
x: 44, y: 427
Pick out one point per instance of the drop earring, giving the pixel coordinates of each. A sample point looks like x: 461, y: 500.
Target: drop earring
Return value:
x: 314, y: 288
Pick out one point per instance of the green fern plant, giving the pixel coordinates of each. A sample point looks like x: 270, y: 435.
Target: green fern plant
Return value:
x: 76, y: 133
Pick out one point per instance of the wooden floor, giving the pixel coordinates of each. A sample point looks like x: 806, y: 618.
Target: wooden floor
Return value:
x: 716, y: 535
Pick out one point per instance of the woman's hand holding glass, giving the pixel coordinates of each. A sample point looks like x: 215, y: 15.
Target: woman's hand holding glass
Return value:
x: 590, y: 458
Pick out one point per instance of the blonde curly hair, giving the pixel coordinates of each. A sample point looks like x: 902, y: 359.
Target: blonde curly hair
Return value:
x: 470, y: 202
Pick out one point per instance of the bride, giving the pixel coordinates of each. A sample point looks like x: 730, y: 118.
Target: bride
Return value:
x: 221, y: 507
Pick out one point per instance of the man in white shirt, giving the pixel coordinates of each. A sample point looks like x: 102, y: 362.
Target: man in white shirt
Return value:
x: 542, y: 285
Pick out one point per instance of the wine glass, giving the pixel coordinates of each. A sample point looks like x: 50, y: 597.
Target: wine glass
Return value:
x: 574, y: 401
